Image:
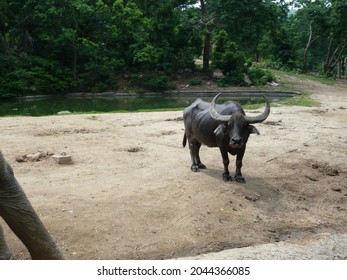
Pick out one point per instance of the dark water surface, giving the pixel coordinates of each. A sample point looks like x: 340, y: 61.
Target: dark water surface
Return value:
x: 43, y: 106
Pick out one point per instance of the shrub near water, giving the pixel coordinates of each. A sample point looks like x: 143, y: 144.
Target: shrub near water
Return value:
x: 232, y: 61
x: 195, y: 82
x: 227, y: 57
x: 150, y: 81
x: 260, y: 76
x: 32, y: 75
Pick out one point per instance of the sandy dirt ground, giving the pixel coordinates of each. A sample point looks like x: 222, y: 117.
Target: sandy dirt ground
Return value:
x: 130, y: 193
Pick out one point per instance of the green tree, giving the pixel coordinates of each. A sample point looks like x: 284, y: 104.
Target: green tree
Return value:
x: 174, y: 40
x: 318, y: 30
x: 107, y: 36
x: 57, y: 46
x: 227, y: 57
x: 338, y: 35
x: 247, y: 22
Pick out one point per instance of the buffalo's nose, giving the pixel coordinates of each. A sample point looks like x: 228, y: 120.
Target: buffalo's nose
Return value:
x: 236, y: 140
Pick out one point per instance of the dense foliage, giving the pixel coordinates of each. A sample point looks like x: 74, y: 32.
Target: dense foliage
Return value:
x: 59, y: 46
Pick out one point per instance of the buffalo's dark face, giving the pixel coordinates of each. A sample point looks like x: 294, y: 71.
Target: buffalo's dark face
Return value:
x: 237, y: 125
x: 239, y: 130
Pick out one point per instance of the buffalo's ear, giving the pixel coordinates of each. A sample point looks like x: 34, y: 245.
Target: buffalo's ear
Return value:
x: 220, y: 129
x: 253, y: 129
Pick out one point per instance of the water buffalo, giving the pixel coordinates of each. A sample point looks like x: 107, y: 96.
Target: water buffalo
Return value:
x: 225, y: 126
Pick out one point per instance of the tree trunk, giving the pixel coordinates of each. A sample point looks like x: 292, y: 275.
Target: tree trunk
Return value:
x: 332, y: 59
x: 309, y: 42
x: 3, y: 44
x: 339, y: 69
x: 206, y: 54
x: 74, y: 47
x: 207, y: 42
x: 339, y: 54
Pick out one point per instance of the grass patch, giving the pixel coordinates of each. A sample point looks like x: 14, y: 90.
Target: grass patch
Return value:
x: 254, y: 106
x: 299, y: 101
x: 302, y: 100
x: 129, y: 111
x: 308, y: 76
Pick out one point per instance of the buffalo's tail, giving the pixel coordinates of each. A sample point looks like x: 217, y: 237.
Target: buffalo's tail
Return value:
x: 184, y: 142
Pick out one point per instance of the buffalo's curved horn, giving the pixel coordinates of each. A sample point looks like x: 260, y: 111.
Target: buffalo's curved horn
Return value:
x: 213, y: 112
x: 262, y: 117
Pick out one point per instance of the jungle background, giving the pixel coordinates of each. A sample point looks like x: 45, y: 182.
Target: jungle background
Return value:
x: 62, y: 46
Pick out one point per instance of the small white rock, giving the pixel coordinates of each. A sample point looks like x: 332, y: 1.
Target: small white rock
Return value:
x: 62, y: 159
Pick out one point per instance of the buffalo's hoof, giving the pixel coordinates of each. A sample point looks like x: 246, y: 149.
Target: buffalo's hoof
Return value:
x: 195, y: 168
x: 202, y: 166
x: 239, y: 179
x: 227, y: 177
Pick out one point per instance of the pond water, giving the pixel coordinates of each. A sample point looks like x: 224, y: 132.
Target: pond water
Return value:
x: 110, y: 103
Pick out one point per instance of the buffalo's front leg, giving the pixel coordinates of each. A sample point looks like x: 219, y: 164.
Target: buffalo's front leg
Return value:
x: 238, y: 175
x: 226, y: 174
x: 194, y: 147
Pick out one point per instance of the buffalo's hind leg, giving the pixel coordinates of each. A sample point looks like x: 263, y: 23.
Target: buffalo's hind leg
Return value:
x: 194, y: 147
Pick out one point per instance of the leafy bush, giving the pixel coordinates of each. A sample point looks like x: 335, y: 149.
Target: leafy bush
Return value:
x: 235, y: 79
x: 34, y: 75
x: 148, y: 57
x: 260, y: 76
x: 230, y: 60
x: 155, y: 82
x: 226, y: 55
x: 195, y: 82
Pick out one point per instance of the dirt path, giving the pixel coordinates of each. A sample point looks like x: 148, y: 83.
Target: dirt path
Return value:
x: 130, y: 194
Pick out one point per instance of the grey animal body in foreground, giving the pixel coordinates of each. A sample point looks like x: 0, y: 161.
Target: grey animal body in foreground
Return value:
x: 18, y: 213
x: 220, y: 125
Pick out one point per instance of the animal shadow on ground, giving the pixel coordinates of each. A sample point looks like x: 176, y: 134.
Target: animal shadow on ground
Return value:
x: 255, y: 188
